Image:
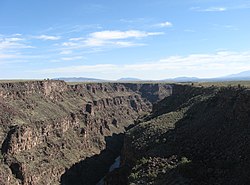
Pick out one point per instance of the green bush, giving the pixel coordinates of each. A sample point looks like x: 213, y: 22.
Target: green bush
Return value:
x: 133, y: 176
x: 152, y: 175
x: 185, y: 160
x: 143, y: 161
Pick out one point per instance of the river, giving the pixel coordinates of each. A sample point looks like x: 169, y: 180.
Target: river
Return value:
x: 115, y: 165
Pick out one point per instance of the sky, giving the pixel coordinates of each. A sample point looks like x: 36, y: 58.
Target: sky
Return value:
x: 111, y: 39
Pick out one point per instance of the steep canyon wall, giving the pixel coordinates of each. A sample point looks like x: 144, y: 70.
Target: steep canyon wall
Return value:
x: 47, y: 126
x: 196, y: 136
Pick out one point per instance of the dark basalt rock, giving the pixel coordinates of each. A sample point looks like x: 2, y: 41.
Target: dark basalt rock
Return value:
x: 48, y: 126
x: 206, y: 132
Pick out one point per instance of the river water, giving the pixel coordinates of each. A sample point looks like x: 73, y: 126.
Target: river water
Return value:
x: 115, y: 165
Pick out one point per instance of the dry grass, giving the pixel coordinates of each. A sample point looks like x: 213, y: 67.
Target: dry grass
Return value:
x: 223, y: 84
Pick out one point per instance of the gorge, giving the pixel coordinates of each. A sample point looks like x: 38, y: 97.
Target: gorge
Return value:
x: 48, y: 127
x: 57, y: 133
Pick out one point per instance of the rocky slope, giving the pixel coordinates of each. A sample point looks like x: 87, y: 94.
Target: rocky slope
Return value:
x: 196, y: 136
x: 47, y: 126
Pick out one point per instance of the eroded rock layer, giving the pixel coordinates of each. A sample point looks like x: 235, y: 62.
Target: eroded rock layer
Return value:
x: 47, y: 126
x: 196, y: 136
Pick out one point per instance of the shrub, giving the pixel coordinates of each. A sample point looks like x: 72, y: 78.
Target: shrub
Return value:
x: 184, y: 160
x: 152, y: 175
x: 133, y: 176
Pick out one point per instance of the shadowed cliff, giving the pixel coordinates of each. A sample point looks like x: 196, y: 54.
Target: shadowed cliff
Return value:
x: 48, y: 126
x: 199, y: 138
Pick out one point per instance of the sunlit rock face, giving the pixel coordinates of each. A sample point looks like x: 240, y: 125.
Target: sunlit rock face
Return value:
x: 47, y: 126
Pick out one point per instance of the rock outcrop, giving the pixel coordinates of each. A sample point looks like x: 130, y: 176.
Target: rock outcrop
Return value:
x: 195, y: 136
x: 47, y: 126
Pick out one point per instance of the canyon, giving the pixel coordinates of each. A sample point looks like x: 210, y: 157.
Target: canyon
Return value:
x: 48, y: 127
x: 196, y: 136
x: 52, y: 132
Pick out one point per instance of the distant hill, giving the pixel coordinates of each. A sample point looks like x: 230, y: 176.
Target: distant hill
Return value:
x: 184, y: 79
x: 129, y: 79
x: 242, y: 76
x: 79, y: 79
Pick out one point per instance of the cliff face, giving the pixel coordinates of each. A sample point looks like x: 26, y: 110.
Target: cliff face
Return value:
x: 195, y: 136
x: 24, y: 89
x: 47, y: 126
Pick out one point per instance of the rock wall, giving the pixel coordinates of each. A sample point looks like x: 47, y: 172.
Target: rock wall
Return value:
x: 47, y: 126
x: 196, y: 136
x: 24, y: 89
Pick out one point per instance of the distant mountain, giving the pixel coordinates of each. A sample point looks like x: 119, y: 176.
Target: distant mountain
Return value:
x: 243, y: 74
x: 79, y: 79
x: 129, y: 79
x: 185, y: 79
x: 182, y: 79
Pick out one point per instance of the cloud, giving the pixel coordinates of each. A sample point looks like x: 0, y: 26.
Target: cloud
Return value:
x: 210, y: 9
x: 200, y: 65
x: 109, y: 38
x: 93, y: 42
x: 65, y: 52
x: 17, y: 34
x: 69, y: 44
x: 72, y: 58
x: 245, y: 5
x: 215, y: 9
x: 127, y: 44
x: 198, y: 61
x: 164, y: 24
x: 66, y: 30
x: 12, y: 48
x: 224, y: 27
x: 7, y: 56
x: 14, y: 39
x: 47, y: 37
x: 135, y: 20
x: 76, y: 39
x: 12, y: 43
x: 113, y: 35
x: 79, y: 69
